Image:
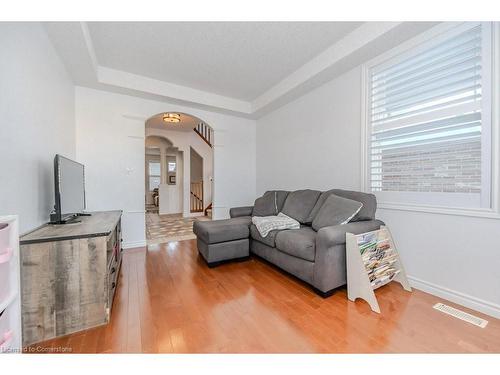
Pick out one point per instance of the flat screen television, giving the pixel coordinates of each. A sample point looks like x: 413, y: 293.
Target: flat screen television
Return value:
x: 69, y: 180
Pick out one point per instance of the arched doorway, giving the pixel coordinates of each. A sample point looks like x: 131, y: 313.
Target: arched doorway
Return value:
x: 179, y: 175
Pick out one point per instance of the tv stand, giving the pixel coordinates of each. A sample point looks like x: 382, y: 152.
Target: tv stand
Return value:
x: 69, y: 275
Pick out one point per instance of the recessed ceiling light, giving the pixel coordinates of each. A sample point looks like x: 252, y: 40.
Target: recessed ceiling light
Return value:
x: 171, y: 117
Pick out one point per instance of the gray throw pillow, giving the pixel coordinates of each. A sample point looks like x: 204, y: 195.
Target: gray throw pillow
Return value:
x: 265, y: 205
x: 336, y: 211
x: 367, y: 212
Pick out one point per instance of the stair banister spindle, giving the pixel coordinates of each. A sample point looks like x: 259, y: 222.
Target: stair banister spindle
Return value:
x: 205, y: 133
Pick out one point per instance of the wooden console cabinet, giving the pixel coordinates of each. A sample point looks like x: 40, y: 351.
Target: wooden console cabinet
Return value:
x: 69, y: 275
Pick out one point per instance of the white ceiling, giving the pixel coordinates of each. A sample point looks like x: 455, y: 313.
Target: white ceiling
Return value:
x: 241, y: 60
x: 244, y: 68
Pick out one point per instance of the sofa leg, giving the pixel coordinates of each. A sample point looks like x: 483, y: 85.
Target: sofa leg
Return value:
x: 218, y: 263
x: 242, y: 259
x: 214, y: 264
x: 326, y: 294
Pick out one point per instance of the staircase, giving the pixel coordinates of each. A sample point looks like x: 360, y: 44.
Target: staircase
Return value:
x: 208, y: 210
x: 205, y: 132
x: 196, y: 196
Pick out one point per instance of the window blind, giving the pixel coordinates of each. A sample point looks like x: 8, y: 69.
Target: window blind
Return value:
x: 154, y: 175
x: 154, y: 168
x: 425, y: 118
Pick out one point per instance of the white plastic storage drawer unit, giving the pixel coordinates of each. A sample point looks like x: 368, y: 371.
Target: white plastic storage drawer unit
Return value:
x: 6, y: 253
x: 7, y: 329
x: 10, y: 291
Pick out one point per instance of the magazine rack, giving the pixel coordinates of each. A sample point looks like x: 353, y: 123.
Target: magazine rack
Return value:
x: 372, y: 261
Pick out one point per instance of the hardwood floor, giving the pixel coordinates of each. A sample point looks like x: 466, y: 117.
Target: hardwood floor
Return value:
x: 169, y: 301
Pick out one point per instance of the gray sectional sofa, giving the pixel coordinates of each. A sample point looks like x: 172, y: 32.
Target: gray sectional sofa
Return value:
x: 317, y: 257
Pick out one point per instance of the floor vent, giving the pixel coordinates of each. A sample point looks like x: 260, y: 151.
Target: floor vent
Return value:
x: 462, y: 315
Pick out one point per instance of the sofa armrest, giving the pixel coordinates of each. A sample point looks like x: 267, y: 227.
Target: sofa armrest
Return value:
x: 330, y: 260
x: 241, y: 211
x: 335, y: 235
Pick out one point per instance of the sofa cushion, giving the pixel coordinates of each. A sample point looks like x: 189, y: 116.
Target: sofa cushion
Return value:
x: 367, y: 212
x: 299, y: 203
x: 336, y: 211
x: 269, y: 240
x: 281, y: 196
x: 216, y: 231
x: 265, y: 205
x: 270, y: 203
x: 300, y: 243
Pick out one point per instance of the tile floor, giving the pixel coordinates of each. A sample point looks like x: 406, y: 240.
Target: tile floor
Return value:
x: 151, y: 208
x: 168, y: 228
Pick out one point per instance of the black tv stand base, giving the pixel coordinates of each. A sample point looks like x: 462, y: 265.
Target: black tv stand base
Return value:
x: 69, y: 220
x: 62, y: 222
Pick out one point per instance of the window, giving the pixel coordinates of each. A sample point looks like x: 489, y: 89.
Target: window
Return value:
x: 154, y: 174
x: 429, y: 121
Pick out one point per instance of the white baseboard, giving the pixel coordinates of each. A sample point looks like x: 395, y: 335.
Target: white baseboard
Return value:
x: 132, y: 244
x: 474, y: 303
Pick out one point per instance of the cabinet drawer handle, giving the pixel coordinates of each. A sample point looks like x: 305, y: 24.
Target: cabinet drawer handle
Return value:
x: 113, y: 270
x: 113, y: 285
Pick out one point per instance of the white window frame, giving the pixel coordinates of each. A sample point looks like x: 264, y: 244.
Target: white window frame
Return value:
x: 490, y: 164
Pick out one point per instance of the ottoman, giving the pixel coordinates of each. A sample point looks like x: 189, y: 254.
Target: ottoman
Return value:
x: 223, y: 240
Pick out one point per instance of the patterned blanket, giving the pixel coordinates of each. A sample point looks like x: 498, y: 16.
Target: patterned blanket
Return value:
x: 265, y: 224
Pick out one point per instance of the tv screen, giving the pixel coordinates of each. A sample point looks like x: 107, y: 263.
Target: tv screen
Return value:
x: 70, y: 187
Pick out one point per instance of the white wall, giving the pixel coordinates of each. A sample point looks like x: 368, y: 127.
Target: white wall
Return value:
x: 37, y: 121
x: 196, y: 166
x: 315, y: 142
x: 110, y: 142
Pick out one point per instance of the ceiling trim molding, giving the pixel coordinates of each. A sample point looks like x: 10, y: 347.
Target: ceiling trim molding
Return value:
x: 119, y: 78
x: 353, y: 41
x: 90, y: 46
x: 313, y: 73
x: 140, y: 83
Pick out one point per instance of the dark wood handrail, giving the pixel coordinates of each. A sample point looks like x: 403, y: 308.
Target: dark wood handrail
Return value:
x: 209, y: 207
x: 205, y: 133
